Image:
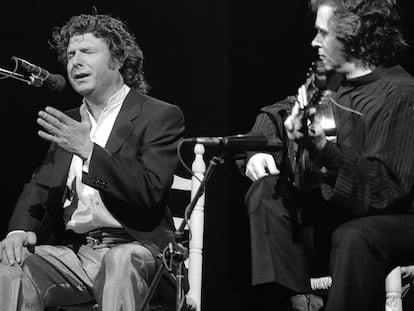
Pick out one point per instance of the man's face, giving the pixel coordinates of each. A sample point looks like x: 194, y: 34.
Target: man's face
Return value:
x: 330, y: 50
x: 91, y: 69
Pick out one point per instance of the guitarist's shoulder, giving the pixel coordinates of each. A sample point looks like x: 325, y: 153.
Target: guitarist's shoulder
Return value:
x: 282, y: 106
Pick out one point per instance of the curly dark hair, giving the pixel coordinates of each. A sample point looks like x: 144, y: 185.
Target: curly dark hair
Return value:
x: 370, y: 30
x: 120, y: 40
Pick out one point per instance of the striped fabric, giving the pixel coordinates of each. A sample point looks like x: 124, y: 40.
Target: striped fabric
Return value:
x: 373, y: 160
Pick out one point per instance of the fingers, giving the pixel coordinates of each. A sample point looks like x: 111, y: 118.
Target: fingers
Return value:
x: 50, y: 124
x: 51, y: 121
x: 54, y: 121
x: 58, y: 115
x: 293, y: 126
x: 293, y: 122
x: 17, y: 249
x: 31, y: 238
x: 13, y: 246
x: 258, y: 172
x: 251, y: 173
x: 312, y: 112
x: 271, y: 165
x: 260, y: 165
x: 297, y: 124
x: 67, y: 133
x: 289, y: 124
x: 302, y: 97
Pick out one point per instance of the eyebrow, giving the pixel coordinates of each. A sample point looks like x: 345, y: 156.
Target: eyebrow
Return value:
x: 320, y: 29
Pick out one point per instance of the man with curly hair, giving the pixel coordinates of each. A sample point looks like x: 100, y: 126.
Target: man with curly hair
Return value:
x: 363, y: 201
x: 91, y: 221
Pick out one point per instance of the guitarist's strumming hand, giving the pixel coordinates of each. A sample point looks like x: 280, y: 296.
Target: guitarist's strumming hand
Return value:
x: 303, y: 125
x: 259, y: 165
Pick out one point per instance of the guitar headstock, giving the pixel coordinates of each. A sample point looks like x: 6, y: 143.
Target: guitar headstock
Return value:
x: 315, y: 83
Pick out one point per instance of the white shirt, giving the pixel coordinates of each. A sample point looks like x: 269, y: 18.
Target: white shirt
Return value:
x: 91, y: 213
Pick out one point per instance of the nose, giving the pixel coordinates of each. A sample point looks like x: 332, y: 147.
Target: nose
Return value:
x: 316, y: 42
x: 76, y: 59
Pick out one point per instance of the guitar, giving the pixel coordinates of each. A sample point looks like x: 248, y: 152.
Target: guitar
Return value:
x: 313, y: 93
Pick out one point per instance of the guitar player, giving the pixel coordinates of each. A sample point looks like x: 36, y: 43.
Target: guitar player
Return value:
x: 353, y: 216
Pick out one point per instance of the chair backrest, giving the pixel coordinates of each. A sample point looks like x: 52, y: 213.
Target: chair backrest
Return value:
x: 196, y: 225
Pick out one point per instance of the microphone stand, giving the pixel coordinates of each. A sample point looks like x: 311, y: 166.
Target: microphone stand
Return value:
x: 32, y: 80
x: 178, y: 252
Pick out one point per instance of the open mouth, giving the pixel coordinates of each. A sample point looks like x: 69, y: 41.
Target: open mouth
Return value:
x: 79, y: 76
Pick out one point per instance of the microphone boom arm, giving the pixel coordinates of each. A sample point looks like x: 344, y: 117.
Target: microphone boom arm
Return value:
x: 32, y: 80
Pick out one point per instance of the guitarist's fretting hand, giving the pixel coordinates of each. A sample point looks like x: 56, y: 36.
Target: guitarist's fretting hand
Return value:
x: 308, y: 136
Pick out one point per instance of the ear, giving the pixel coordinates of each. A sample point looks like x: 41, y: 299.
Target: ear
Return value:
x: 120, y: 61
x: 119, y: 64
x: 115, y: 64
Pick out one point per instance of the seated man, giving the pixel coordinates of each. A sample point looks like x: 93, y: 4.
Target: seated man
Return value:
x: 90, y: 223
x: 358, y: 187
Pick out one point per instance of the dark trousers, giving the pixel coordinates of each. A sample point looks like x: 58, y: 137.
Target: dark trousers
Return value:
x: 277, y: 252
x: 363, y: 250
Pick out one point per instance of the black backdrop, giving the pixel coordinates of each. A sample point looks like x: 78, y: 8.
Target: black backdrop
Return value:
x: 218, y: 60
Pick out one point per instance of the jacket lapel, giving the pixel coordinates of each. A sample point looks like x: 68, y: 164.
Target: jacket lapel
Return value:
x: 131, y: 109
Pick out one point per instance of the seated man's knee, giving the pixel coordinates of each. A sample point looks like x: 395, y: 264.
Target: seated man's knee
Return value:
x: 355, y: 235
x: 129, y: 257
x: 17, y: 287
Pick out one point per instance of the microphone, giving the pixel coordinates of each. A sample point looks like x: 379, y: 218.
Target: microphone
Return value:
x: 239, y: 142
x: 55, y: 82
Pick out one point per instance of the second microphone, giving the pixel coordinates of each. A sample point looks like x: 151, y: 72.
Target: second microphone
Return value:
x: 239, y: 142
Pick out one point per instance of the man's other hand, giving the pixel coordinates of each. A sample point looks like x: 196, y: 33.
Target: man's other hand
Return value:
x: 259, y: 165
x: 12, y: 246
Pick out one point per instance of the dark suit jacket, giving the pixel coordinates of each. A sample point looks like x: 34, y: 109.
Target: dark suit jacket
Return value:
x: 133, y: 174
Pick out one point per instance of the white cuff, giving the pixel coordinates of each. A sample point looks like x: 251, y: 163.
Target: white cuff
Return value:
x: 13, y: 232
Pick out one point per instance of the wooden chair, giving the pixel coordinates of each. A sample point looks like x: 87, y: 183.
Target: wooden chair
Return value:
x: 394, y: 291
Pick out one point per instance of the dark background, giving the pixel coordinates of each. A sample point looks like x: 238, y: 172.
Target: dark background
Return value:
x: 218, y: 60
